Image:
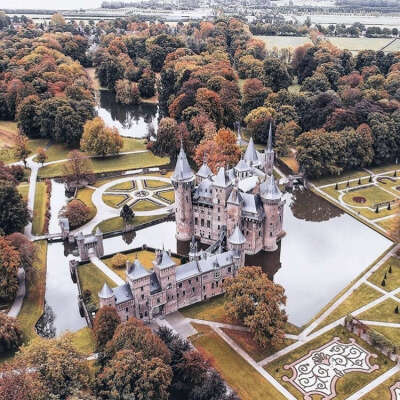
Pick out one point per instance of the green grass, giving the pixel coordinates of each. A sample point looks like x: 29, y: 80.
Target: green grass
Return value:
x: 155, y: 184
x: 108, y: 164
x: 344, y: 177
x: 382, y: 392
x: 145, y: 205
x: 8, y: 156
x: 91, y: 278
x: 383, y: 312
x: 392, y: 279
x: 372, y: 194
x: 246, y: 342
x: 282, y: 42
x: 167, y: 195
x: 347, y: 384
x: 385, y: 168
x: 360, y: 297
x: 391, y: 226
x: 128, y: 186
x: 210, y: 310
x: 33, y: 306
x: 131, y: 144
x: 114, y: 200
x: 238, y: 374
x: 393, y: 334
x: 23, y: 189
x: 85, y: 196
x: 40, y: 208
x: 116, y: 223
x: 83, y: 341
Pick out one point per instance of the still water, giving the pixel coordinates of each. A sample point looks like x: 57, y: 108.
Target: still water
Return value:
x: 323, y: 250
x: 131, y: 121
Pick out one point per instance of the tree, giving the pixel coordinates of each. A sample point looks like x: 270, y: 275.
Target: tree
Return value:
x: 127, y: 215
x: 119, y: 260
x: 257, y: 302
x: 318, y: 82
x: 276, y: 75
x: 146, y: 84
x: 285, y: 137
x: 134, y: 335
x: 99, y: 139
x: 11, y: 335
x: 25, y: 248
x: 14, y: 214
x: 258, y: 122
x: 28, y: 116
x: 105, y: 323
x: 210, y: 103
x: 127, y: 92
x: 78, y: 169
x: 77, y: 213
x: 41, y: 155
x: 254, y: 95
x: 57, y: 20
x: 21, y: 147
x: 60, y: 367
x: 129, y: 375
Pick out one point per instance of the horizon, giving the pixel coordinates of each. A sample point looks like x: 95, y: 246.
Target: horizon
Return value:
x: 50, y: 5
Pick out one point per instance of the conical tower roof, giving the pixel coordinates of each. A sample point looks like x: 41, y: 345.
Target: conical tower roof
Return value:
x: 269, y: 189
x: 221, y: 179
x: 182, y: 172
x: 269, y: 143
x: 105, y: 292
x: 237, y: 237
x: 251, y: 155
x: 204, y: 171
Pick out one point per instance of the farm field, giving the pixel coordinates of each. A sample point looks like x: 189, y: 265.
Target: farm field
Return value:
x: 282, y: 42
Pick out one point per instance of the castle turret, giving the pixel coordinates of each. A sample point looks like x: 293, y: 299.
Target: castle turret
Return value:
x: 203, y: 173
x: 250, y: 155
x: 183, y: 181
x: 234, y: 209
x: 271, y: 197
x: 269, y: 154
x: 106, y: 296
x: 236, y: 243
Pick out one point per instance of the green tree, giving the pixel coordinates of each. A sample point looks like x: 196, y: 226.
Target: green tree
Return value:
x: 21, y: 149
x: 318, y: 82
x: 77, y: 213
x: 41, y: 155
x: 104, y: 326
x: 127, y: 215
x: 28, y: 116
x: 99, y: 139
x: 78, y: 169
x: 257, y: 302
x: 127, y: 92
x: 276, y: 75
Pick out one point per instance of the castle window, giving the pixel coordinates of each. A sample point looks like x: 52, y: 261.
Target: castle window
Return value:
x: 190, y: 281
x: 212, y: 285
x: 229, y: 269
x: 126, y: 309
x: 259, y: 233
x: 197, y: 278
x: 219, y: 218
x: 204, y: 288
x: 142, y: 296
x: 187, y: 198
x: 158, y: 300
x: 141, y: 288
x: 141, y: 316
x: 145, y: 313
x: 127, y: 318
x: 177, y: 295
x: 202, y: 222
x: 196, y: 221
x: 219, y: 209
x: 183, y: 293
x: 217, y: 284
x: 208, y: 224
x: 180, y: 284
x: 193, y: 289
x: 218, y: 201
x: 270, y: 234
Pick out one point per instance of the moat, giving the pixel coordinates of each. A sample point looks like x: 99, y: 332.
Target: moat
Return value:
x: 323, y: 250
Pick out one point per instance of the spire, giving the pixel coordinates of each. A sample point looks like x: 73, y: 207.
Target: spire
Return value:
x: 269, y: 189
x: 106, y: 292
x: 182, y: 171
x: 237, y: 237
x: 269, y: 144
x: 251, y: 155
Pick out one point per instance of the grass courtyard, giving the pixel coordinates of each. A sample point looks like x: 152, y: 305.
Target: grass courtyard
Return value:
x: 114, y: 200
x: 383, y: 312
x: 155, y: 184
x: 382, y: 392
x: 85, y: 196
x: 128, y: 186
x: 372, y: 195
x: 168, y: 195
x: 347, y: 384
x: 392, y: 280
x: 145, y: 205
x: 40, y: 209
x: 239, y: 375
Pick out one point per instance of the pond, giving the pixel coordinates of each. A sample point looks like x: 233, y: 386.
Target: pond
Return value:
x: 131, y: 121
x: 324, y: 249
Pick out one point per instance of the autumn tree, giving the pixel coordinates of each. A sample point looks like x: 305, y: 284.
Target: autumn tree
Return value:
x: 77, y: 213
x: 21, y: 149
x: 131, y: 375
x: 57, y: 20
x: 254, y: 95
x: 41, y: 155
x: 127, y: 92
x: 257, y: 302
x: 119, y: 260
x: 105, y: 323
x: 60, y: 367
x: 78, y: 169
x: 210, y: 103
x: 11, y: 335
x: 99, y: 139
x: 14, y: 214
x: 276, y: 75
x: 258, y: 122
x: 285, y: 137
x: 25, y: 248
x: 221, y: 151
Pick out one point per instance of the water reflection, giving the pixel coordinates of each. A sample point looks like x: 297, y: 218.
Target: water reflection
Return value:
x: 131, y: 121
x: 45, y: 326
x: 57, y: 201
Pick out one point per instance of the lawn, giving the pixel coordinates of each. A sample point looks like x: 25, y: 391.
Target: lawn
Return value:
x: 393, y: 334
x: 383, y: 312
x: 282, y: 42
x: 392, y: 280
x: 238, y: 374
x: 108, y: 164
x: 155, y: 184
x: 361, y: 43
x: 85, y: 196
x: 382, y: 392
x: 83, y: 341
x: 129, y: 185
x: 145, y: 257
x: 343, y: 177
x: 347, y: 384
x: 33, y: 306
x: 292, y: 163
x: 385, y: 168
x: 91, y: 278
x: 145, y: 205
x: 246, y: 342
x: 7, y: 155
x: 116, y: 223
x: 210, y: 310
x: 390, y: 225
x: 372, y: 194
x: 360, y: 297
x: 40, y: 209
x: 23, y: 189
x: 114, y: 200
x: 168, y: 195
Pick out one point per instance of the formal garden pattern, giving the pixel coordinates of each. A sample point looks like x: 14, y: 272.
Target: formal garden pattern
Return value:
x: 317, y: 372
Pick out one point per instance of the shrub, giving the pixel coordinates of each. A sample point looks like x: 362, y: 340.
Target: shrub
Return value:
x: 119, y: 260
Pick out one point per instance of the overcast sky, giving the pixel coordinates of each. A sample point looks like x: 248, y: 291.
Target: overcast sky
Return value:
x: 50, y: 4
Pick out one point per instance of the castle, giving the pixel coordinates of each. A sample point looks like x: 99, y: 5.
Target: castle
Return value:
x: 241, y: 206
x: 246, y: 196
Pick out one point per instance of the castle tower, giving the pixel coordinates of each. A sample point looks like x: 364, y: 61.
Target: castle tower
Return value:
x: 99, y: 243
x: 106, y: 296
x: 234, y: 210
x: 183, y: 181
x: 273, y: 207
x: 236, y: 243
x: 82, y: 248
x: 203, y: 173
x: 269, y: 154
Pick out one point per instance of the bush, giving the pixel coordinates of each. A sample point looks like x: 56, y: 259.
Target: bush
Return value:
x: 10, y: 334
x: 119, y: 261
x: 77, y: 213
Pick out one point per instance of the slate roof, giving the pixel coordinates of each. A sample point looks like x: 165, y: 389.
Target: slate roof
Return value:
x: 237, y: 237
x: 242, y: 166
x: 154, y: 284
x: 204, y: 171
x: 204, y: 189
x: 251, y: 155
x: 136, y: 270
x: 182, y: 171
x: 235, y: 197
x: 122, y: 293
x: 221, y: 179
x: 105, y: 292
x: 186, y: 271
x: 166, y: 261
x: 269, y: 189
x: 248, y: 184
x: 251, y: 203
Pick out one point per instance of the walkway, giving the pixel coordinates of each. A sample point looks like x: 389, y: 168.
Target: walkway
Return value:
x: 19, y: 299
x: 106, y: 270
